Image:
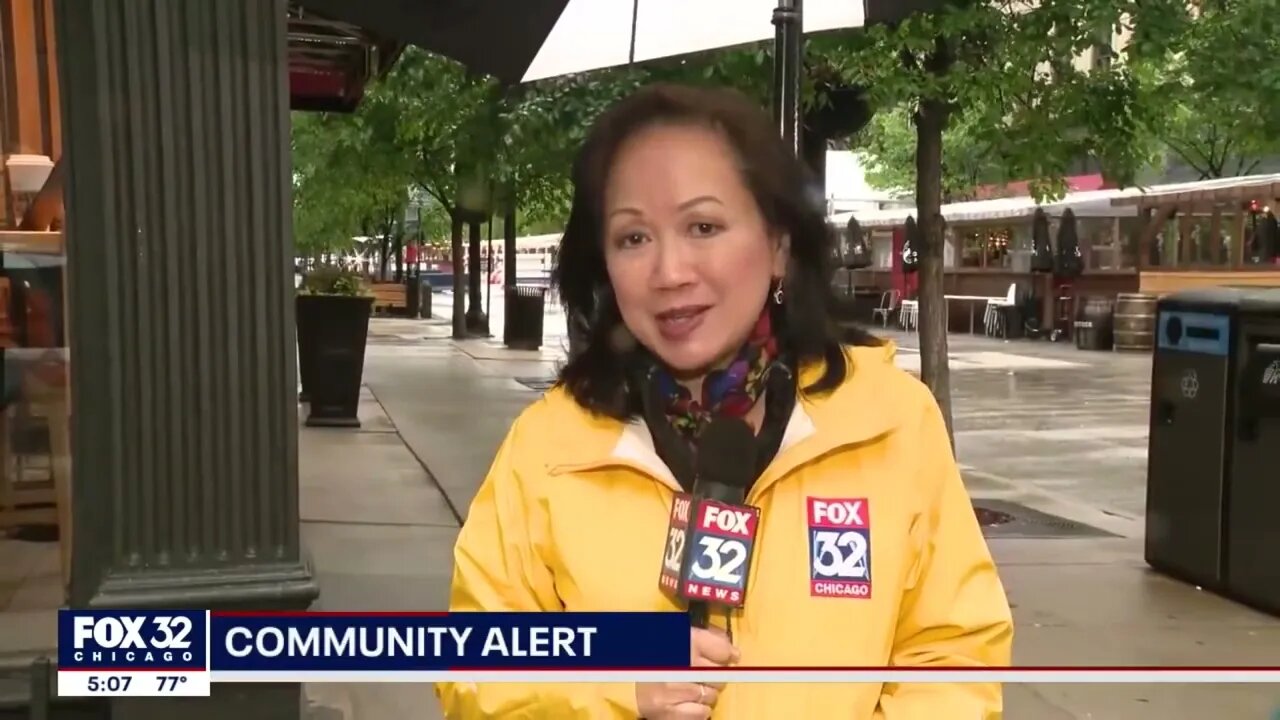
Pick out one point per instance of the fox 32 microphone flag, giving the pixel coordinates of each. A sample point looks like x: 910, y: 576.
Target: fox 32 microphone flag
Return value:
x: 178, y: 653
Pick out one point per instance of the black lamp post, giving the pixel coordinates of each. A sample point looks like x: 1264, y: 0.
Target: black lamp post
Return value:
x: 788, y: 49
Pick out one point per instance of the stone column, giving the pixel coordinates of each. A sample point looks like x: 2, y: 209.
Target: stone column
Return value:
x: 180, y: 269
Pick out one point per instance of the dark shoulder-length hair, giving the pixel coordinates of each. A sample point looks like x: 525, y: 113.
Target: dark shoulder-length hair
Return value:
x: 599, y: 367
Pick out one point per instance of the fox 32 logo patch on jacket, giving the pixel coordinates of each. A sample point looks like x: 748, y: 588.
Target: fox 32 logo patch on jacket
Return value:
x: 839, y: 547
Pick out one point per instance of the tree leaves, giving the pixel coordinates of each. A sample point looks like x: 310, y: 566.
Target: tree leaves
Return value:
x: 887, y: 147
x: 1215, y: 79
x: 1029, y: 105
x: 348, y: 181
x: 1022, y: 106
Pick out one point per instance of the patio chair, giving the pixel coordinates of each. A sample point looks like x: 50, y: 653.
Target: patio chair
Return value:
x: 888, y: 303
x: 909, y: 315
x: 993, y: 320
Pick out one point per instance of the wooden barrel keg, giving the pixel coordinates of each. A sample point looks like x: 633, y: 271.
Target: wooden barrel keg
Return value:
x: 1135, y: 322
x: 1094, y: 326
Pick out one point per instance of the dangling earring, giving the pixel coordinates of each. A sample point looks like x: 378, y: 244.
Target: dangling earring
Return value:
x: 777, y: 293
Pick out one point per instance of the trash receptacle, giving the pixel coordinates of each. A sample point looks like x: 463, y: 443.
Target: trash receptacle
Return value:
x: 411, y: 290
x: 424, y: 297
x: 1253, y: 530
x: 1011, y: 320
x: 525, y: 306
x: 1093, y: 325
x: 1191, y: 377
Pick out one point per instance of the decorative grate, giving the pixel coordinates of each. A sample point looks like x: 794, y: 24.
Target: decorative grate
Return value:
x: 1005, y: 519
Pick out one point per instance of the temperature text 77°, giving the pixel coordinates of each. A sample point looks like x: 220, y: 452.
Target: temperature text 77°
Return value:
x: 169, y: 683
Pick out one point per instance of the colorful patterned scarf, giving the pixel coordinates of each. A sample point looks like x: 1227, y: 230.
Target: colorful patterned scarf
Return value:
x: 730, y: 392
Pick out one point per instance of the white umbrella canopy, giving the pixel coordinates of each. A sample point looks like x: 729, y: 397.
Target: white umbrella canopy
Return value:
x: 524, y: 40
x: 595, y: 34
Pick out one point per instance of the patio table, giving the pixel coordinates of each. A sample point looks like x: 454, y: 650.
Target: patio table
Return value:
x: 973, y: 301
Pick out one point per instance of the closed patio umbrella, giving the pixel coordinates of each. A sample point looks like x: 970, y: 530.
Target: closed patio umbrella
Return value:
x: 1041, y: 246
x: 1068, y: 263
x: 857, y: 255
x: 1268, y: 239
x: 910, y: 246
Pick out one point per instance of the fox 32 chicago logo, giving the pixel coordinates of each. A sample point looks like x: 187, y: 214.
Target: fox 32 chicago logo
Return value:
x: 131, y: 639
x: 839, y: 548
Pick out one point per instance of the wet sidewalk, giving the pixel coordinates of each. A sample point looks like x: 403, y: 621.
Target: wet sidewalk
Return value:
x: 1052, y: 442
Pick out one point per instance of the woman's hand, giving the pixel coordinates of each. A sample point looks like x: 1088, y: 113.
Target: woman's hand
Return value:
x: 689, y: 701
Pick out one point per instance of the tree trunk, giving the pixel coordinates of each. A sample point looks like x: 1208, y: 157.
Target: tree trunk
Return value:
x: 477, y: 322
x: 398, y: 253
x: 384, y: 253
x: 931, y: 119
x: 508, y: 257
x: 459, y: 285
x: 509, y: 246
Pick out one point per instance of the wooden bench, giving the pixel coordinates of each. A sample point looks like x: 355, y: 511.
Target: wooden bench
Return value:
x: 389, y: 296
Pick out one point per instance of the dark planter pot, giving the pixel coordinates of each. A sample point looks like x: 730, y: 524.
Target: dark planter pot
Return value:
x: 306, y: 355
x: 332, y: 332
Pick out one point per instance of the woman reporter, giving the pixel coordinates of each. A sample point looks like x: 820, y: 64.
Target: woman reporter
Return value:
x: 694, y: 264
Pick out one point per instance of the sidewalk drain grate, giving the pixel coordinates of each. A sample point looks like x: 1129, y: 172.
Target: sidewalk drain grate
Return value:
x: 537, y: 384
x: 1005, y: 519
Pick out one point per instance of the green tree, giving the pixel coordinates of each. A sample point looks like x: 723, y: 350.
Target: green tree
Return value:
x: 475, y: 147
x: 1004, y: 73
x: 438, y: 110
x: 542, y: 125
x: 349, y: 179
x: 1218, y: 85
x: 887, y: 147
x: 322, y: 223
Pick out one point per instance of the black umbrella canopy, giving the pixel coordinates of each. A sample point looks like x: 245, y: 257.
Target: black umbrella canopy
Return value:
x: 1041, y: 247
x: 855, y: 255
x: 1068, y: 263
x: 1268, y: 243
x: 493, y: 37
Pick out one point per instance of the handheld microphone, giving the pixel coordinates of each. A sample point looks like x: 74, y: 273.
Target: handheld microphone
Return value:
x: 712, y: 532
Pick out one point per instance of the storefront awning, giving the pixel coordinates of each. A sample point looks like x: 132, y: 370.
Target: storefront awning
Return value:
x: 1232, y: 189
x: 1092, y: 203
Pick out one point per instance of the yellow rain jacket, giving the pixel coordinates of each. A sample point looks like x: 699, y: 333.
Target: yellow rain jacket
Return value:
x: 573, y: 517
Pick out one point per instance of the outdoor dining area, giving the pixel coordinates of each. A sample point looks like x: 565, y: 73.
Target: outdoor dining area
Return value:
x: 1087, y: 268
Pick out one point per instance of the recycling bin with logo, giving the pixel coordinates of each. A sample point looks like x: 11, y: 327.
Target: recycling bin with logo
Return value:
x: 1253, y: 511
x: 1212, y: 484
x: 1187, y: 452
